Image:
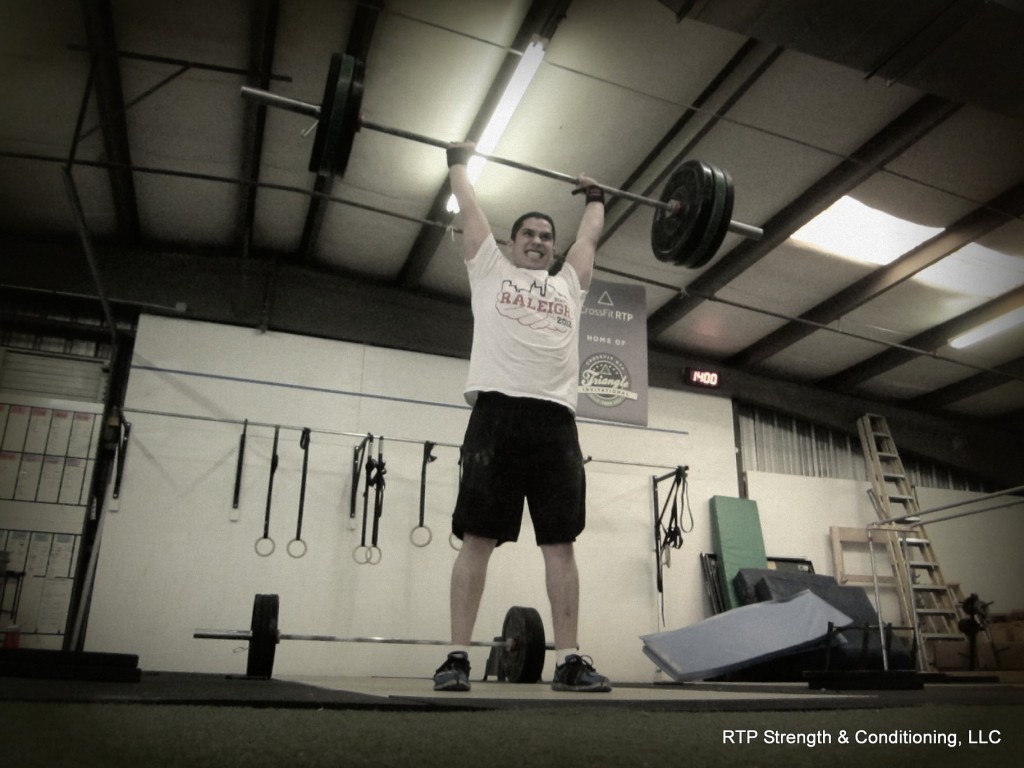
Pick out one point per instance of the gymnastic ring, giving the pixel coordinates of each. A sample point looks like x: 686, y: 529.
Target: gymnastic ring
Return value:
x: 268, y: 552
x: 452, y: 538
x: 361, y: 560
x: 298, y: 552
x: 370, y: 559
x: 413, y: 537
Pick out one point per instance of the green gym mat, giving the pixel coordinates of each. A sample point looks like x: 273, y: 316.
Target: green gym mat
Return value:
x: 736, y: 538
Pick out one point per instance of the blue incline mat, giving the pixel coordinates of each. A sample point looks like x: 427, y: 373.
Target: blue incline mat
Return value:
x: 743, y: 637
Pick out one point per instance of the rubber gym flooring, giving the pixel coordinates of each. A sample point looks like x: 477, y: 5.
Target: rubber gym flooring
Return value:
x: 416, y: 694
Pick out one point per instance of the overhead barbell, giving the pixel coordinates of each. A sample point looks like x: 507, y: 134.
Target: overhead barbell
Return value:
x: 692, y: 214
x: 521, y: 647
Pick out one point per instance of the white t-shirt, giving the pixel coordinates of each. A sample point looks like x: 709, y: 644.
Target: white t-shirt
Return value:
x: 525, y: 329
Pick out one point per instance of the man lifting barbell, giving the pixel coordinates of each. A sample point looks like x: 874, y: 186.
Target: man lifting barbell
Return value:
x: 521, y: 442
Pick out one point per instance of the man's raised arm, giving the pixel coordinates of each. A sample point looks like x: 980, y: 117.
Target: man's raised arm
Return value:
x: 475, y: 227
x: 583, y: 252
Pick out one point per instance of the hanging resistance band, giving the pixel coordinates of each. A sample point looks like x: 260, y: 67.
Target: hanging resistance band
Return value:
x: 358, y: 456
x: 125, y: 429
x: 297, y: 547
x: 238, y: 467
x: 380, y: 469
x: 374, y: 478
x: 424, y: 538
x: 668, y: 535
x: 265, y: 545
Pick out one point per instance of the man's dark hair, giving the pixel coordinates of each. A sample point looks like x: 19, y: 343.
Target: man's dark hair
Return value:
x: 533, y: 215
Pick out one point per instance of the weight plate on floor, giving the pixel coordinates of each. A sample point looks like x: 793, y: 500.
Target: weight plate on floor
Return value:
x: 264, y: 639
x: 522, y: 659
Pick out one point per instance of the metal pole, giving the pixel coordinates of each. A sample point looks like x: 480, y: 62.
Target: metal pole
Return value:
x: 78, y: 214
x: 878, y: 601
x: 993, y: 495
x: 242, y: 634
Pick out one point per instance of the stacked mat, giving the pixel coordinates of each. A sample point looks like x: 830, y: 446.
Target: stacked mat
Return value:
x: 863, y: 649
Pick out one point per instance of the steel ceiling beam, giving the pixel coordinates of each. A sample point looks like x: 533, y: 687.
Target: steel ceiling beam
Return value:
x: 887, y: 144
x: 360, y: 36
x: 262, y: 36
x: 98, y: 21
x: 929, y: 340
x: 967, y: 229
x: 969, y: 387
x: 653, y: 189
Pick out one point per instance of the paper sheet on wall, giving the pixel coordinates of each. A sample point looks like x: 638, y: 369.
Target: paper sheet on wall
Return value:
x: 9, y: 464
x: 81, y: 435
x: 38, y: 430
x: 17, y: 427
x: 17, y: 548
x: 54, y: 604
x: 38, y: 554
x: 72, y: 481
x: 61, y: 556
x: 28, y: 476
x: 60, y: 433
x: 49, y: 479
x: 28, y: 606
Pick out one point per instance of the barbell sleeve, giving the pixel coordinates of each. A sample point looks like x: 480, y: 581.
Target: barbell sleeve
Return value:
x: 748, y: 231
x: 280, y: 102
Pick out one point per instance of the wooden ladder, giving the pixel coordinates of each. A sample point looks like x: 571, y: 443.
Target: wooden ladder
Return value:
x: 927, y: 602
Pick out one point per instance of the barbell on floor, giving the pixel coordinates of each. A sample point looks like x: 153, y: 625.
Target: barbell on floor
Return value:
x: 520, y: 658
x: 692, y: 215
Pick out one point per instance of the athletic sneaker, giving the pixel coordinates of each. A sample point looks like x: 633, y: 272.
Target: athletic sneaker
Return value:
x: 453, y: 675
x: 578, y: 674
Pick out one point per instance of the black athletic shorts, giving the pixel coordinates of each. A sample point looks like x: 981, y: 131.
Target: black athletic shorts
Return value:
x: 520, y: 448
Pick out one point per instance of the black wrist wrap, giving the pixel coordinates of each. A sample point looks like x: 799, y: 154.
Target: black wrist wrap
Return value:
x: 594, y: 194
x: 458, y: 155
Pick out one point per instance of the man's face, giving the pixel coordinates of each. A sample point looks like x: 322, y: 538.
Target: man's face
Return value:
x: 534, y: 245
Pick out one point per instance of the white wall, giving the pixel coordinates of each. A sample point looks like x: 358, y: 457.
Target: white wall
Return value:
x: 981, y: 552
x: 176, y: 557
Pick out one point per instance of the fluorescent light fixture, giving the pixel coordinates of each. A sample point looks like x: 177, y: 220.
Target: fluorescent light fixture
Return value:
x: 987, y: 330
x: 514, y: 92
x: 856, y: 231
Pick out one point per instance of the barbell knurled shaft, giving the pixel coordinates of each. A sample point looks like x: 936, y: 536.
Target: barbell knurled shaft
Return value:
x: 305, y: 108
x: 551, y: 174
x: 747, y: 230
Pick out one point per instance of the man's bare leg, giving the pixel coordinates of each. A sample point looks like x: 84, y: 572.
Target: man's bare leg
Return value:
x: 469, y: 574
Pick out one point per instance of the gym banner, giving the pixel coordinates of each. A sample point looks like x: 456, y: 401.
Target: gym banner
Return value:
x: 613, y: 354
